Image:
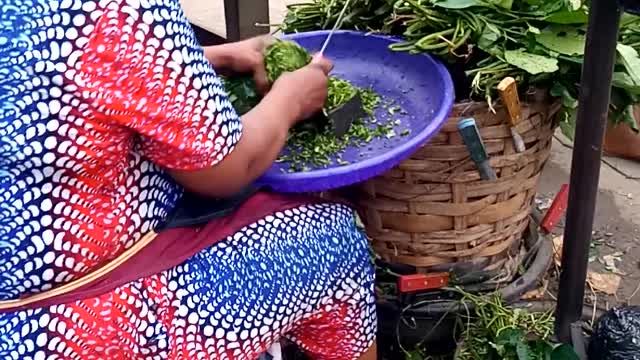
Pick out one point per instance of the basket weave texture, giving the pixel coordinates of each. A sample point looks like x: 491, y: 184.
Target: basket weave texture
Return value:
x: 434, y: 211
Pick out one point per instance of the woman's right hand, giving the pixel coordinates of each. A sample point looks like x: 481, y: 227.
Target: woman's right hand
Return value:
x: 305, y: 88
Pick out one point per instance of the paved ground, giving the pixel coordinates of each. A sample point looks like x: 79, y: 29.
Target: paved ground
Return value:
x: 617, y: 224
x: 209, y: 14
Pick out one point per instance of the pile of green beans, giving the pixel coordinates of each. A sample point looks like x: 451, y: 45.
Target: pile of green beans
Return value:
x: 476, y: 37
x: 425, y: 28
x: 495, y: 331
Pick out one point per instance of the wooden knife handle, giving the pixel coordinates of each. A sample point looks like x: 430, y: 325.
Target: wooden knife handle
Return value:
x: 509, y: 94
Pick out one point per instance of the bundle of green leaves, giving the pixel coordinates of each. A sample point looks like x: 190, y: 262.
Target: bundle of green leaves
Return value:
x: 538, y: 42
x: 279, y: 58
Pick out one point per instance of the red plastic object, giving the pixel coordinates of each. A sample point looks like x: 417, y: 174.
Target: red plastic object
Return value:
x: 419, y: 282
x: 557, y: 209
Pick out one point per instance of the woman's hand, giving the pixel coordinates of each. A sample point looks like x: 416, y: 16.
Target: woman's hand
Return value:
x: 242, y: 57
x: 306, y: 88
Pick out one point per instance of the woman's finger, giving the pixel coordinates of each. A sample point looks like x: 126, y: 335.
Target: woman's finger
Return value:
x: 260, y: 78
x: 325, y: 64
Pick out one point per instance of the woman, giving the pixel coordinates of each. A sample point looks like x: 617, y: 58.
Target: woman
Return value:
x: 108, y: 110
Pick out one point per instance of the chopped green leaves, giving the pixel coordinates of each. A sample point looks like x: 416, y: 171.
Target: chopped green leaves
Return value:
x: 313, y: 146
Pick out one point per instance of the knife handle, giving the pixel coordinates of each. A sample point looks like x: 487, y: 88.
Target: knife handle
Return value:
x: 509, y: 94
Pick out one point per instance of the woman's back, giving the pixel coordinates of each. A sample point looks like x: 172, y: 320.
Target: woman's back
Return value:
x: 77, y: 83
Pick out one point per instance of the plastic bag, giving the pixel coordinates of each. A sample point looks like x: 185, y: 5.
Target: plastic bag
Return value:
x: 617, y: 335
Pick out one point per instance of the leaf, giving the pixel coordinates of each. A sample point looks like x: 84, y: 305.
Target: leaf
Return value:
x: 457, y: 4
x: 625, y: 116
x: 534, y: 30
x: 629, y: 118
x: 564, y: 352
x: 631, y: 61
x: 568, y: 124
x: 532, y: 63
x: 509, y: 337
x: 523, y: 351
x: 505, y: 4
x: 573, y: 5
x: 564, y: 40
x: 624, y: 81
x: 567, y: 17
x: 626, y: 19
x: 490, y: 35
x: 621, y: 111
x: 560, y: 91
x: 542, y: 349
x: 605, y: 283
x: 550, y: 6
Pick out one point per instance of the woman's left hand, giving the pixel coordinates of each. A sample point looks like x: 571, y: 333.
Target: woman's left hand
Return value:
x: 242, y: 57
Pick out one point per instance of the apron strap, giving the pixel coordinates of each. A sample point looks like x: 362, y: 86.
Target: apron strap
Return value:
x: 7, y: 305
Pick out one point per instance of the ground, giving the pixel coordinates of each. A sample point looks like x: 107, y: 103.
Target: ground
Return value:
x: 617, y: 221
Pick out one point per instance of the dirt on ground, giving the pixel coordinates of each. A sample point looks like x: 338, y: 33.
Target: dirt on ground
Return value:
x: 615, y: 249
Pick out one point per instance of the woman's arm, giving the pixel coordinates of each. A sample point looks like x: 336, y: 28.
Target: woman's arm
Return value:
x: 264, y: 133
x: 294, y: 96
x: 175, y: 107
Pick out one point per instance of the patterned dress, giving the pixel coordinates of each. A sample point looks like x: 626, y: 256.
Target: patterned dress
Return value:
x: 96, y: 98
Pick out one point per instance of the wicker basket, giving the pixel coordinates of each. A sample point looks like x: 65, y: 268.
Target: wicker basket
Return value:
x: 433, y: 210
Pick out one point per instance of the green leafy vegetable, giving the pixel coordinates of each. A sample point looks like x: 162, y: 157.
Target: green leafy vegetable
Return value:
x: 458, y: 4
x: 284, y: 56
x: 538, y: 42
x: 531, y: 63
x: 631, y: 61
x: 493, y: 331
x: 568, y: 17
x: 563, y: 40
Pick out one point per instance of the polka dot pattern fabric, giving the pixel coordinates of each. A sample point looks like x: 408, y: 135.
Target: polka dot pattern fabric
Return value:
x: 303, y: 273
x: 96, y: 99
x: 90, y: 92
